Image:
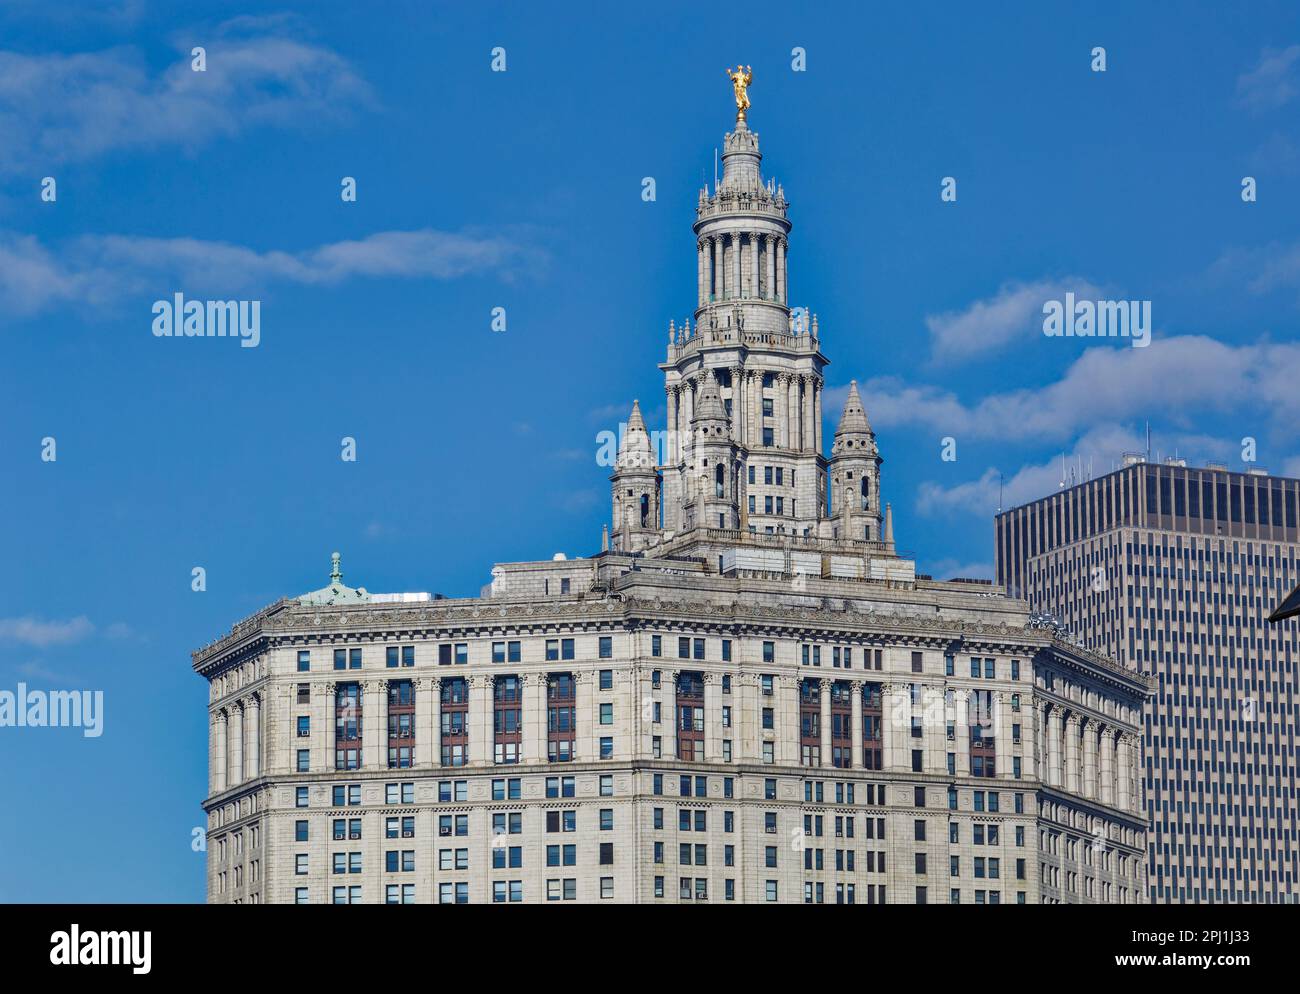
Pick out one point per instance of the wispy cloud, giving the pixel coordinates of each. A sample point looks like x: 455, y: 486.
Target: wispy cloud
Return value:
x: 1014, y: 313
x: 1262, y: 269
x: 1097, y: 451
x: 1273, y: 82
x: 56, y: 107
x: 1181, y: 378
x: 98, y: 269
x: 44, y: 634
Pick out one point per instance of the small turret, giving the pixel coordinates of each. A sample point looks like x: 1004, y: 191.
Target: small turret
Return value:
x: 855, y: 474
x: 714, y: 463
x: 635, y: 488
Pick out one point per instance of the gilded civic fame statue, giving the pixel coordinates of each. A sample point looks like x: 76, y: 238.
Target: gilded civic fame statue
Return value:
x: 740, y: 80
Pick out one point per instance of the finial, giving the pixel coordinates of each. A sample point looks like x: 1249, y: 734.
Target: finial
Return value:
x: 336, y: 573
x: 672, y: 332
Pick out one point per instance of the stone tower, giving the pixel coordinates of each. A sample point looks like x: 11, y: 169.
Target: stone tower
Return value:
x: 635, y: 489
x: 855, y: 475
x: 744, y: 466
x: 713, y: 465
x: 764, y: 358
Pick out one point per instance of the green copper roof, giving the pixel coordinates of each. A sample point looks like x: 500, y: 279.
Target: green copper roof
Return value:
x: 337, y: 592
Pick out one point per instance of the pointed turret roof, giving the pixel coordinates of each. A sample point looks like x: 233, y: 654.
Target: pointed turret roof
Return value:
x: 634, y: 452
x: 708, y: 405
x: 854, y: 418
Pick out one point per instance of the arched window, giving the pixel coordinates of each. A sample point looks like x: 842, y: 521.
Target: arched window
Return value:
x: 645, y: 510
x: 719, y: 481
x: 866, y: 492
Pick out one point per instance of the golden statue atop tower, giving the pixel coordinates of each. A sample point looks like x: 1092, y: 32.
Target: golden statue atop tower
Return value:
x: 740, y: 80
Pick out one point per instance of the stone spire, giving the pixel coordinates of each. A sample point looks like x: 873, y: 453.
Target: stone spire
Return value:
x: 855, y: 474
x: 634, y: 488
x: 635, y: 451
x: 854, y: 419
x: 709, y: 406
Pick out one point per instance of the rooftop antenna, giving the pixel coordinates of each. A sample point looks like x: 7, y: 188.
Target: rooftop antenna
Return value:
x: 999, y: 493
x: 1062, y: 470
x: 1148, y: 441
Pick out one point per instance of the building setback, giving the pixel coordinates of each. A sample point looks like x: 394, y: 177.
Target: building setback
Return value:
x: 747, y: 696
x: 1173, y: 571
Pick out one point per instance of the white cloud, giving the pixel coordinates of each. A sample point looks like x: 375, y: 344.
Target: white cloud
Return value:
x: 1015, y: 312
x: 1096, y: 453
x: 1097, y: 449
x: 1179, y: 379
x: 57, y: 108
x: 96, y: 269
x: 43, y: 634
x: 1273, y: 82
x: 1262, y: 269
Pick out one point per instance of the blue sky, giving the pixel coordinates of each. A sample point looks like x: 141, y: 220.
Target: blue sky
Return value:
x: 522, y: 190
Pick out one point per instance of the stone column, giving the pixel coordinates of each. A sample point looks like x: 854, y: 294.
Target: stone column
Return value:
x: 961, y: 730
x: 435, y: 719
x: 855, y: 691
x: 771, y: 266
x: 738, y: 404
x: 1072, y: 754
x: 1090, y: 759
x: 1124, y: 773
x: 753, y: 265
x: 480, y: 720
x: 220, y: 722
x: 584, y: 741
x: 253, y: 758
x: 1137, y: 794
x: 1108, y: 766
x: 1054, y: 746
x: 712, y: 719
x: 796, y: 419
x: 328, y: 725
x: 720, y: 287
x: 787, y: 720
x: 702, y: 295
x: 534, y: 718
x: 782, y: 291
x: 1002, y: 732
x: 735, y: 261
x: 890, y: 712
x: 236, y: 766
x: 670, y: 396
x: 824, y: 694
x: 373, y: 741
x: 755, y: 409
x: 425, y: 689
x: 817, y: 414
x: 781, y: 406
x: 687, y: 414
x: 807, y: 439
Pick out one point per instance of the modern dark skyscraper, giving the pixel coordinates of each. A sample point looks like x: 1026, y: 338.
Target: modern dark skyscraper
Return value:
x: 1173, y: 570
